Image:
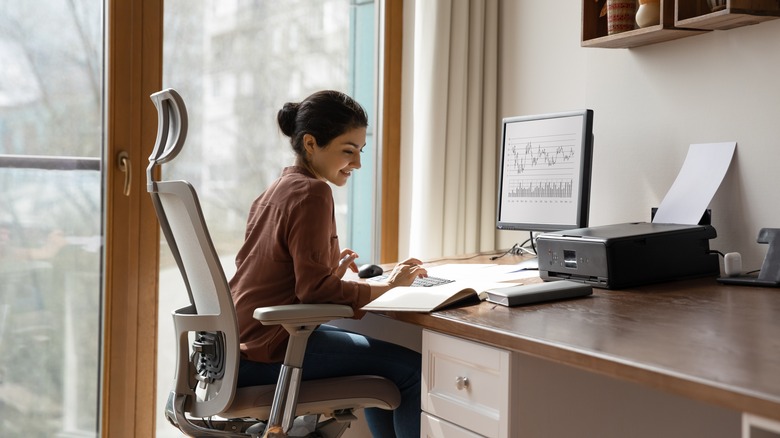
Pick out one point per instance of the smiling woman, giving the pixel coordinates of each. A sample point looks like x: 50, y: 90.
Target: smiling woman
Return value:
x: 291, y: 255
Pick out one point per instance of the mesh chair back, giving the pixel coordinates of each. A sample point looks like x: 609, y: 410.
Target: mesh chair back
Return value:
x: 206, y: 376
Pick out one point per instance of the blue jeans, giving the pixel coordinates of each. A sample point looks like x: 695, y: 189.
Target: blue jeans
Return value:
x: 332, y: 352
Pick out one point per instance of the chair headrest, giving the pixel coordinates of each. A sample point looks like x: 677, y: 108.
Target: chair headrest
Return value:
x: 171, y: 128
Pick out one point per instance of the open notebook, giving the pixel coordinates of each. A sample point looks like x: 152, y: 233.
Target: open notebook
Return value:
x: 428, y: 299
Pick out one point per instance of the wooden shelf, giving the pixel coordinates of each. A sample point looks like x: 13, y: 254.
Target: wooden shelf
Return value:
x: 737, y: 13
x: 594, y: 28
x: 679, y: 19
x: 639, y: 37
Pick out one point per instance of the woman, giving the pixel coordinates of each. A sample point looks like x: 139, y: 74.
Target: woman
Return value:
x: 291, y: 255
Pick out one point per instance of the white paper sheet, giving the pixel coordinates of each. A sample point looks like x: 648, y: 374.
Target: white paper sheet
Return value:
x: 480, y: 272
x: 699, y: 178
x: 458, y: 271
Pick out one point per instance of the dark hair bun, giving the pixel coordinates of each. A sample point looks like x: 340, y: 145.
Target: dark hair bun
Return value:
x: 324, y: 115
x: 286, y: 118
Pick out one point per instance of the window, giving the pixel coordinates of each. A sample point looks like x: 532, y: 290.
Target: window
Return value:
x: 235, y: 64
x: 50, y: 217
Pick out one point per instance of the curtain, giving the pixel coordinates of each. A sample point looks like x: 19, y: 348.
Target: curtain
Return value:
x: 451, y: 171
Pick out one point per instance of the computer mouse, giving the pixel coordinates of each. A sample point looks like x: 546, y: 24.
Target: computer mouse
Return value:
x: 368, y: 271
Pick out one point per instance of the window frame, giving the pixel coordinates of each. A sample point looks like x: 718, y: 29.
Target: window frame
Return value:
x: 389, y: 178
x: 133, y: 71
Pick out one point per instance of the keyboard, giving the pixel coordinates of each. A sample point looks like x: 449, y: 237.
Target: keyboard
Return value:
x: 419, y: 281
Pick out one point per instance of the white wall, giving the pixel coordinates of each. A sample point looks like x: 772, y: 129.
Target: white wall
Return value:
x: 650, y: 104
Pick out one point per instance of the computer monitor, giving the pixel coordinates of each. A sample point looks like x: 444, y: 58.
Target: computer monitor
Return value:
x: 545, y: 172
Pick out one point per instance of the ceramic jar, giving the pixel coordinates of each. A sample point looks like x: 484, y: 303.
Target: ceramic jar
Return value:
x: 648, y: 13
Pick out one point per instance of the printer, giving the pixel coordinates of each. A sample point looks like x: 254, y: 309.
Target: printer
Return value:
x: 629, y: 254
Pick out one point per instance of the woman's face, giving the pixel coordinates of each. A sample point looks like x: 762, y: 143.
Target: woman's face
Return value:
x: 335, y: 161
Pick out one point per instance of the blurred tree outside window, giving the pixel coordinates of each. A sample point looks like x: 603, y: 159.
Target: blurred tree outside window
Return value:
x: 51, y: 93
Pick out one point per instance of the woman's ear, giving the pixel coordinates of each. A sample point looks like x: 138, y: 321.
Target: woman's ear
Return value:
x: 309, y: 143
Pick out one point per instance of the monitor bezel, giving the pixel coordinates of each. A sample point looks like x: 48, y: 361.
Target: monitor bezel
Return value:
x: 585, y: 172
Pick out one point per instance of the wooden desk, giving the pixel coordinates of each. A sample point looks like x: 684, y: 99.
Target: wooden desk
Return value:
x: 697, y: 339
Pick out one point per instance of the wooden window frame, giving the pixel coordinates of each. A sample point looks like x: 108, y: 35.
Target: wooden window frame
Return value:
x: 391, y: 130
x: 133, y: 71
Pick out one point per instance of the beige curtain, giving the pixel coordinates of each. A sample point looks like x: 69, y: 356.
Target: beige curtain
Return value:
x: 450, y: 170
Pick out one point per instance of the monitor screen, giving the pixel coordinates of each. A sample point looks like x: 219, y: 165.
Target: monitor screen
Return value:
x: 544, y: 176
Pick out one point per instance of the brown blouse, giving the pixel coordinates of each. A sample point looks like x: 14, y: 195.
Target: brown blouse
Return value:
x: 289, y: 255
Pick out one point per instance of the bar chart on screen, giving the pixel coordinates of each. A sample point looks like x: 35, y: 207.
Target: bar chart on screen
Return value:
x: 541, y: 167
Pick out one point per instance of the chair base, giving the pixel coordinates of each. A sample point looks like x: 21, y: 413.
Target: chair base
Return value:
x: 250, y: 427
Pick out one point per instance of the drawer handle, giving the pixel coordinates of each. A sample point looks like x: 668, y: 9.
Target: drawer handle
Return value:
x: 462, y: 383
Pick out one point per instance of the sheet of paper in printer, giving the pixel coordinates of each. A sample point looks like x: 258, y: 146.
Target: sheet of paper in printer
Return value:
x: 699, y: 178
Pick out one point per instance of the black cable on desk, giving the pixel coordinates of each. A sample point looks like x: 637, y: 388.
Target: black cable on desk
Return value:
x: 519, y: 248
x: 505, y: 252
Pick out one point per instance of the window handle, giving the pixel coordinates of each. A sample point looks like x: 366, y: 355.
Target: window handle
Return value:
x: 123, y: 161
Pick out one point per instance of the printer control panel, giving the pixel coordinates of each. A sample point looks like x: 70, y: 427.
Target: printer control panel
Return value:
x: 574, y: 258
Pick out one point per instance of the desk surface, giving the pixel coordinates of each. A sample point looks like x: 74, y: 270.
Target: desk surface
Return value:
x: 695, y: 338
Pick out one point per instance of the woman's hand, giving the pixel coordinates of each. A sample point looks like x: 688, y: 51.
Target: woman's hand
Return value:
x: 346, y: 261
x: 403, y: 274
x: 406, y: 272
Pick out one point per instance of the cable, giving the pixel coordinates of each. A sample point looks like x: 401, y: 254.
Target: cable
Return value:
x: 465, y: 257
x: 519, y: 248
x: 513, y: 248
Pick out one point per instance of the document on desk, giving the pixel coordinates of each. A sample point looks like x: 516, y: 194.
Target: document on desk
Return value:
x: 699, y: 178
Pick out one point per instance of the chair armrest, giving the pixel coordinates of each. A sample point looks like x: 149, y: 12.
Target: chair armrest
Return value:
x: 301, y: 314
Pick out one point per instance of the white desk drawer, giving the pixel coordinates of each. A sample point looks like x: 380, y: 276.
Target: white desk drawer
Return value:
x: 466, y: 383
x: 433, y: 427
x: 753, y: 427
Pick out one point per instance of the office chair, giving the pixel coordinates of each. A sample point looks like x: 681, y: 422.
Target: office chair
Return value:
x: 204, y: 401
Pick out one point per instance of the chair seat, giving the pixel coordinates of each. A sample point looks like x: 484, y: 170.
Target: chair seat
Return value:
x: 319, y: 396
